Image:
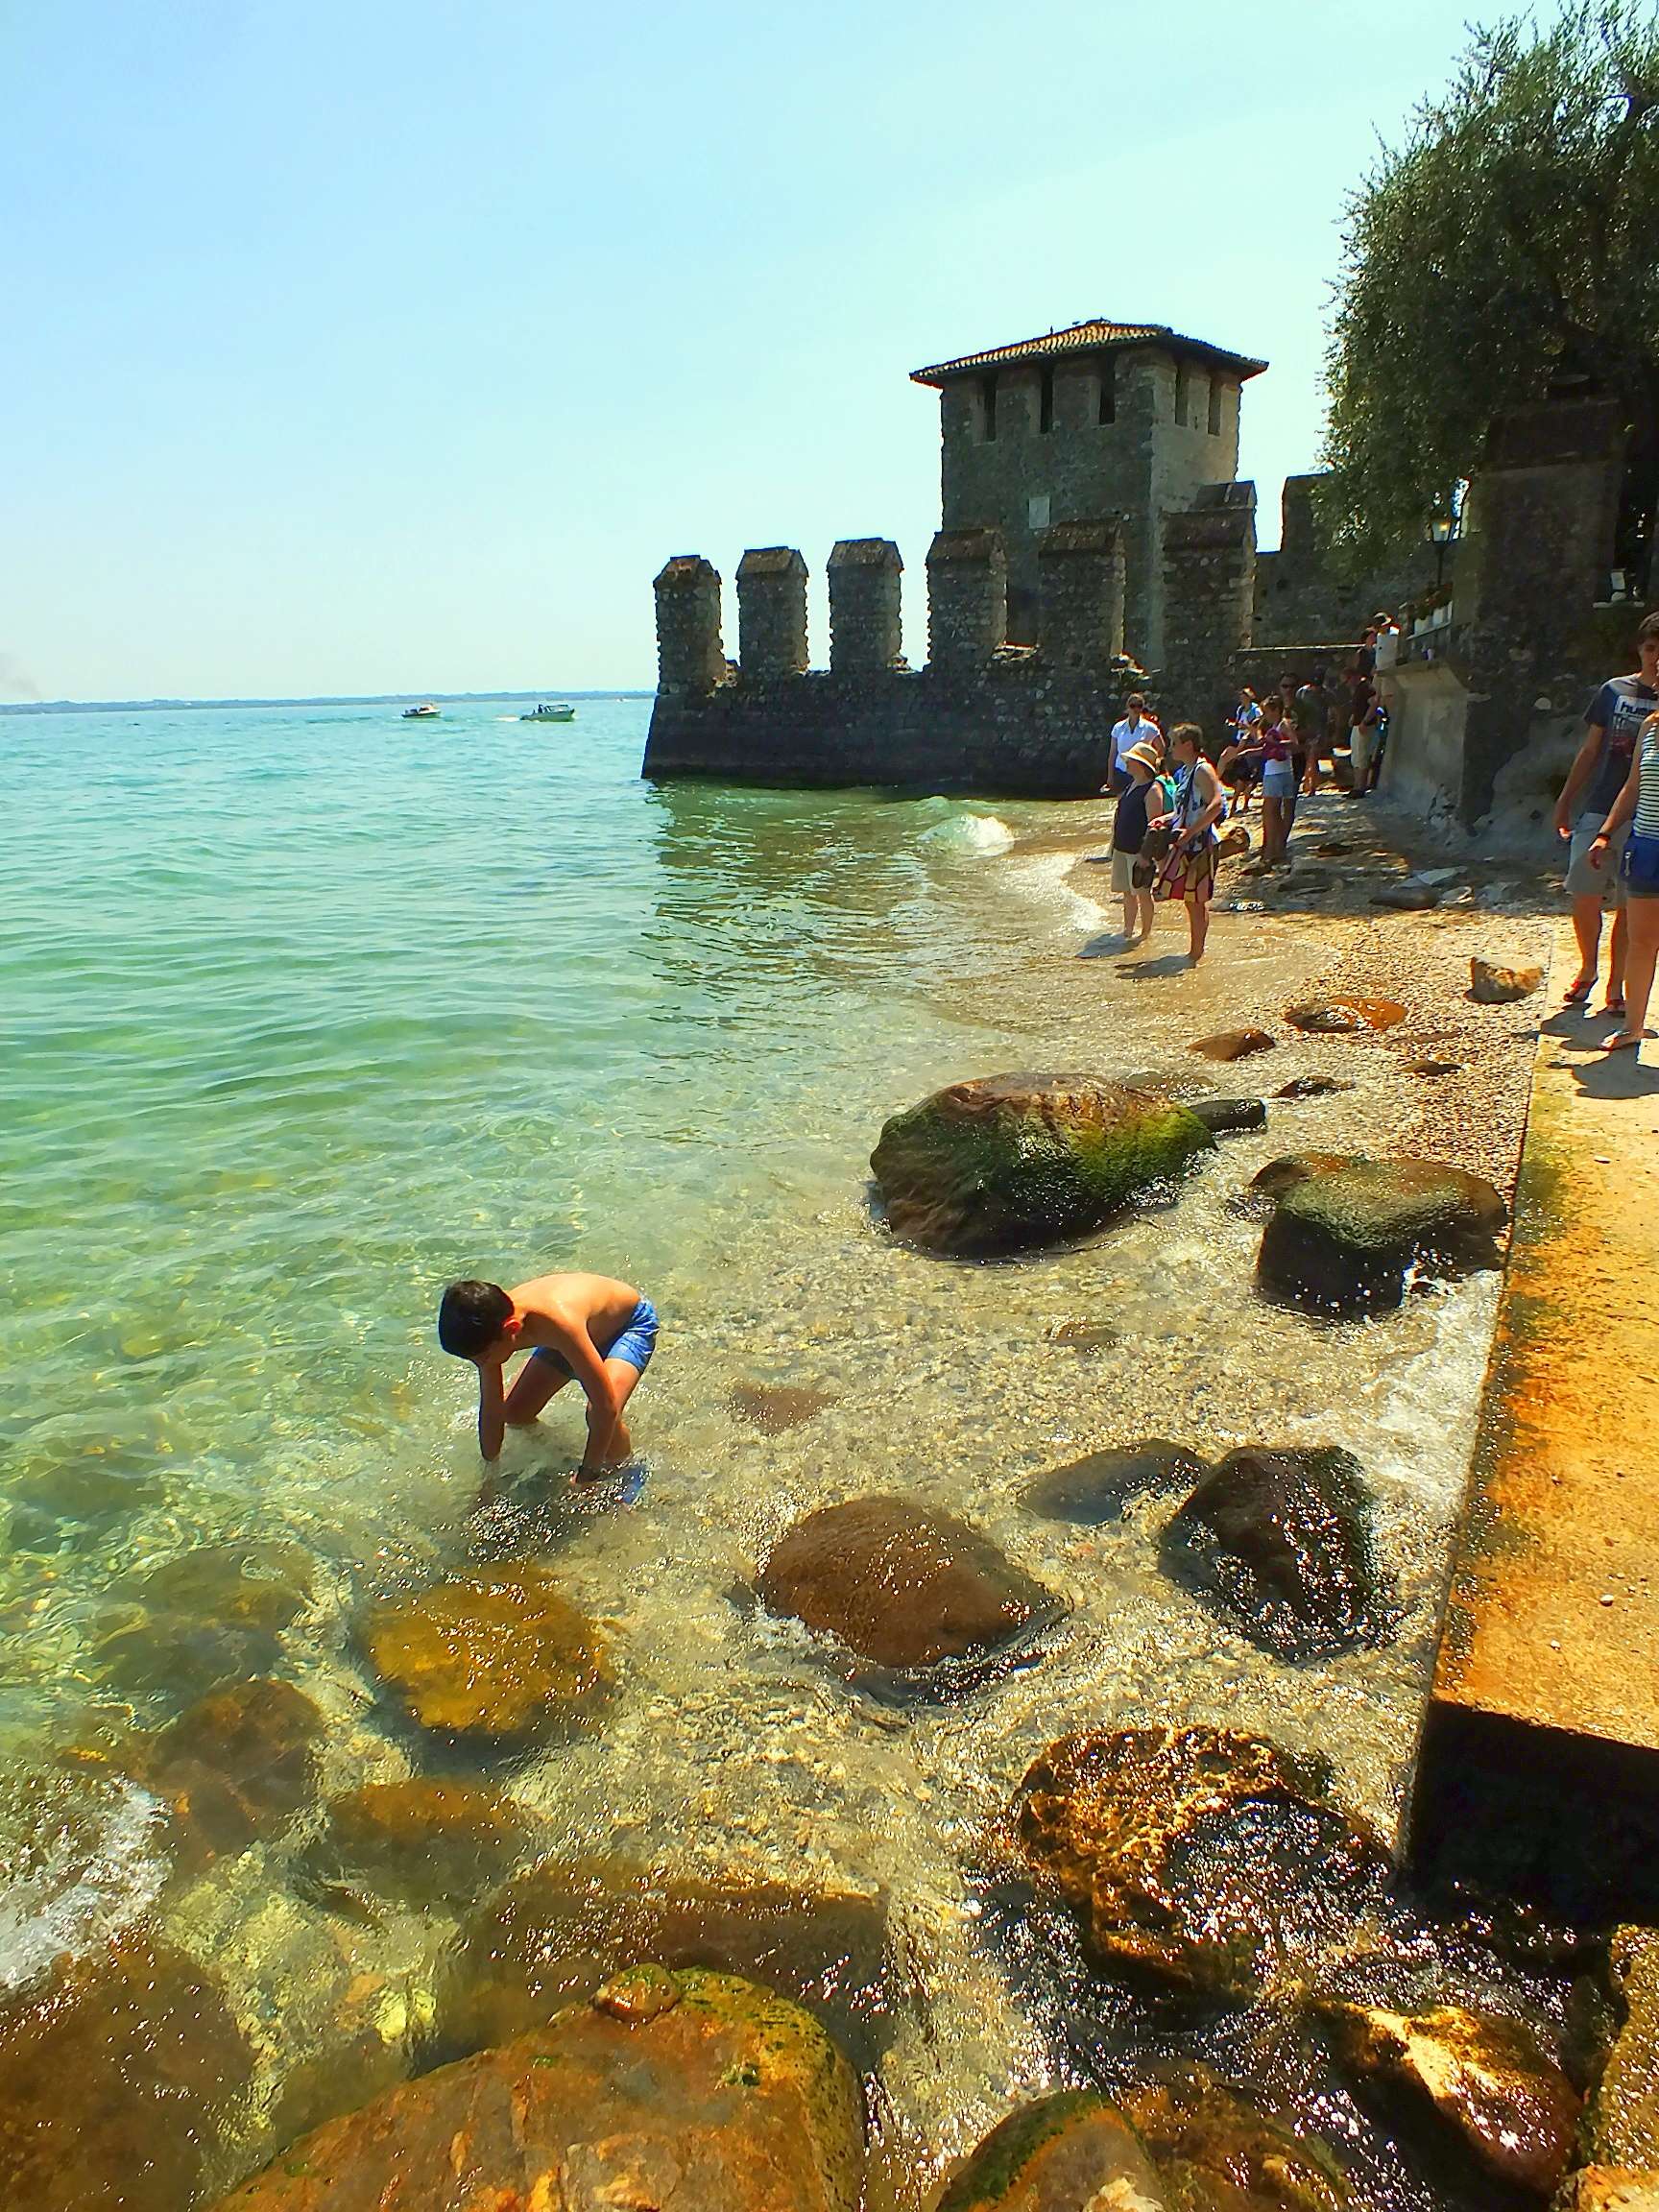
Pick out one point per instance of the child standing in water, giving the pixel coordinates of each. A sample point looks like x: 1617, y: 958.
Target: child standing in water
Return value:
x: 588, y: 1329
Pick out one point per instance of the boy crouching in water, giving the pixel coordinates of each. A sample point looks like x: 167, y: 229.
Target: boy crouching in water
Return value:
x: 584, y: 1328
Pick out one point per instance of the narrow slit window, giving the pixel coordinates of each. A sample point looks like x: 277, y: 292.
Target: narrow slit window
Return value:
x: 988, y: 408
x: 1106, y: 410
x: 1181, y: 396
x: 1045, y: 402
x: 1214, y: 406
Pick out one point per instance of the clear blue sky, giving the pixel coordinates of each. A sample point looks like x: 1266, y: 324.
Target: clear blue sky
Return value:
x: 359, y: 346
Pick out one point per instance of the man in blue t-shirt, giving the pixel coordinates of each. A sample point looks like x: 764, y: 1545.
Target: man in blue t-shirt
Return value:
x: 1594, y: 780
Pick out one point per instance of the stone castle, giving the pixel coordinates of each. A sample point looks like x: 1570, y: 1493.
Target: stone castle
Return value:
x: 1093, y: 536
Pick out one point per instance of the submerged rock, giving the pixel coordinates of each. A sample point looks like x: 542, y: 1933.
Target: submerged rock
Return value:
x: 1312, y: 1086
x: 1218, y: 2153
x: 1061, y: 2154
x: 561, y: 1929
x: 235, y: 1770
x: 1189, y: 1855
x: 500, y: 1656
x: 900, y: 1588
x: 1221, y: 1116
x: 1086, y: 1336
x: 261, y: 1585
x: 693, y: 2090
x: 1345, y: 1230
x: 117, y: 2073
x: 776, y: 1408
x: 1343, y: 1016
x: 1481, y: 2082
x: 1233, y: 1044
x: 1014, y: 1162
x: 173, y: 1657
x: 1096, y: 1488
x: 1496, y: 982
x: 426, y: 1842
x: 1280, y: 1541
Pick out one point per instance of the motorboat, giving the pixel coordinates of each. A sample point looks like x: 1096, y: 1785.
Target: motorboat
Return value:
x: 424, y: 712
x: 546, y: 714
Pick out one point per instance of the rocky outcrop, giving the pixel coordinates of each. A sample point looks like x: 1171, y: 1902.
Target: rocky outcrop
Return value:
x: 1233, y: 1044
x: 1096, y: 1488
x: 1345, y: 1232
x: 117, y: 2073
x: 498, y: 1657
x: 1481, y: 2083
x: 904, y: 1592
x: 1139, y: 1832
x: 421, y: 1841
x: 1497, y: 982
x: 1017, y: 1162
x: 1062, y: 2154
x: 561, y: 1929
x: 691, y: 2090
x: 1281, y: 1543
x: 1344, y: 1016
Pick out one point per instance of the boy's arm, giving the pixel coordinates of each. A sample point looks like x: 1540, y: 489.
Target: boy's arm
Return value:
x: 1620, y: 810
x: 1577, y: 776
x: 492, y: 1403
x: 589, y: 1370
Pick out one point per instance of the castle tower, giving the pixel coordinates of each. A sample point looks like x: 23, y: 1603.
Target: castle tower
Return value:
x: 689, y: 653
x: 771, y: 612
x: 1080, y: 594
x: 1101, y: 422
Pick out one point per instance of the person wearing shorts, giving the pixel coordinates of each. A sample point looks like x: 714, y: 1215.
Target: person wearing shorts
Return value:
x: 1131, y: 872
x: 1637, y: 811
x: 588, y: 1329
x: 1190, y: 872
x: 1600, y: 771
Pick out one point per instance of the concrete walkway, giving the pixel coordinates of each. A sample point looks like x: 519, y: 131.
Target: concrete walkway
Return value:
x: 1540, y: 1759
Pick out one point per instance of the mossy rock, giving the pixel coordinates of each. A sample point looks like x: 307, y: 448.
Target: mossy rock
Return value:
x: 1346, y: 1232
x: 1019, y: 1162
x: 263, y: 1584
x: 500, y: 1657
x: 693, y: 2089
x: 426, y: 1841
x: 1061, y: 2153
x: 1219, y: 2152
x: 236, y: 1768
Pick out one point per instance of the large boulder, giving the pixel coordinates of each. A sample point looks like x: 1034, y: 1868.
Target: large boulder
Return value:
x: 1225, y: 1116
x: 914, y: 1598
x: 1478, y: 2083
x: 1096, y: 1487
x: 1280, y: 1542
x: 691, y: 2090
x: 117, y: 2073
x: 1063, y: 2152
x: 1346, y: 1232
x: 561, y: 1929
x: 1219, y: 2153
x: 1014, y: 1162
x: 236, y: 1768
x: 1184, y: 1853
x: 499, y: 1657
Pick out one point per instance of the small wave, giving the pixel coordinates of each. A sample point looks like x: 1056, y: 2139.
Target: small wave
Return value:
x: 981, y: 833
x: 83, y: 1868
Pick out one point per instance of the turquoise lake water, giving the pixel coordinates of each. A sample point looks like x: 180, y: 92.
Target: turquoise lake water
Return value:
x: 310, y: 1010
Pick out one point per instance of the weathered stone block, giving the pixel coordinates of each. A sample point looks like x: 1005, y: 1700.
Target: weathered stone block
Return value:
x: 967, y: 597
x: 771, y: 612
x: 866, y: 624
x: 689, y: 653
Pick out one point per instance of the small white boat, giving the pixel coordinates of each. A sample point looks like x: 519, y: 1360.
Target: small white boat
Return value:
x: 427, y: 712
x: 546, y: 714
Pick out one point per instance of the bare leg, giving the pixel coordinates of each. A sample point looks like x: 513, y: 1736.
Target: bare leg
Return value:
x: 1197, y: 927
x: 1617, y: 952
x: 1148, y: 911
x: 1643, y: 933
x: 625, y: 1381
x: 537, y: 1381
x: 1129, y: 915
x: 1587, y: 929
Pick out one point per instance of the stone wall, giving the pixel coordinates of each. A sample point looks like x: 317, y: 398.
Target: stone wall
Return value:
x: 771, y: 612
x: 967, y: 597
x: 1209, y: 570
x: 1003, y: 730
x: 865, y: 614
x: 1133, y: 466
x: 1080, y: 594
x: 1305, y: 591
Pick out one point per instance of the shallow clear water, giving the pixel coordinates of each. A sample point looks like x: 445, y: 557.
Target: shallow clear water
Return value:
x: 312, y: 1009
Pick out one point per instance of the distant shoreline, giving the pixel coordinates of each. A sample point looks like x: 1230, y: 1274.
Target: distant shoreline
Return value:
x: 356, y: 699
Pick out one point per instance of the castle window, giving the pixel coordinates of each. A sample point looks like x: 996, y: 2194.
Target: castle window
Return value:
x: 988, y: 408
x: 1045, y: 402
x: 1183, y: 395
x: 1106, y: 410
x: 1214, y: 406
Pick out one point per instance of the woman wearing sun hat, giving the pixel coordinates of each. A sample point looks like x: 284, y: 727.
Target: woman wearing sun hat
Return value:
x: 1132, y: 836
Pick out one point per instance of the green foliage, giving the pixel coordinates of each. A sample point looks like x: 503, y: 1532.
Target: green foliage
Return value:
x: 1510, y: 243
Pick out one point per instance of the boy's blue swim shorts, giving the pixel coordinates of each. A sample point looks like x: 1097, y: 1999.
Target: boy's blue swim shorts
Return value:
x: 634, y: 1342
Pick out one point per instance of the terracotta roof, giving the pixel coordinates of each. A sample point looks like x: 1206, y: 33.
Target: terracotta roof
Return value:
x: 1093, y: 337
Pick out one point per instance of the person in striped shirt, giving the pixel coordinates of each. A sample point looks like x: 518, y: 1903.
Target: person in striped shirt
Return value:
x: 1637, y: 803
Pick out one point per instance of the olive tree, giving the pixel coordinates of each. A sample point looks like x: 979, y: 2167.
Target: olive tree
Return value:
x: 1509, y: 247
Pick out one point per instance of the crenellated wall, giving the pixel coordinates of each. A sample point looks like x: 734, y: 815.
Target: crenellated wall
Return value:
x: 771, y: 612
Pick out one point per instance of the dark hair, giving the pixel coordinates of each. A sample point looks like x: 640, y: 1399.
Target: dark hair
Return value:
x: 1650, y: 626
x: 470, y: 1316
x: 1188, y: 733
